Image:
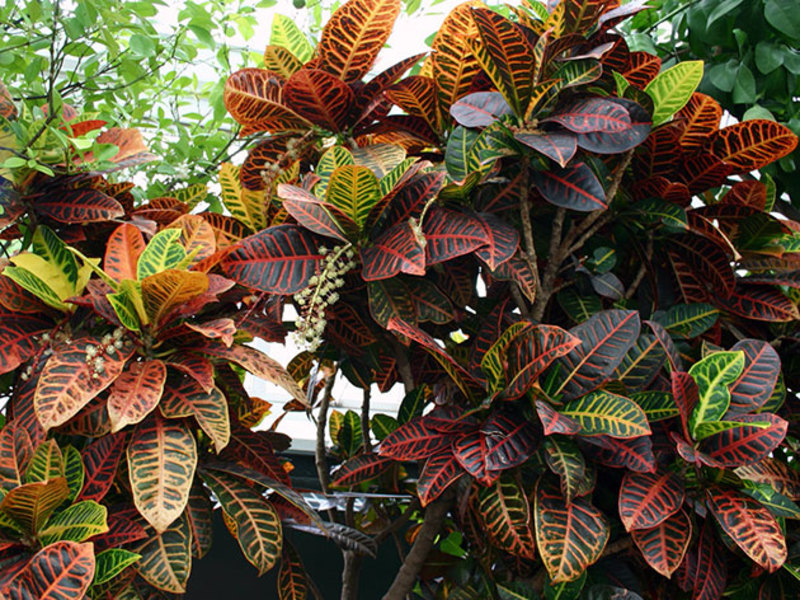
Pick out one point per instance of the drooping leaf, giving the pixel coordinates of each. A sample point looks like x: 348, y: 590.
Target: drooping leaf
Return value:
x: 570, y: 536
x: 166, y: 558
x: 258, y: 526
x: 439, y: 472
x: 751, y: 526
x: 504, y: 511
x: 101, y: 458
x: 450, y: 234
x: 162, y: 456
x: 286, y: 34
x: 557, y: 146
x: 209, y: 408
x: 292, y: 579
x: 453, y: 65
x: 664, y: 546
x: 566, y: 460
x: 199, y: 516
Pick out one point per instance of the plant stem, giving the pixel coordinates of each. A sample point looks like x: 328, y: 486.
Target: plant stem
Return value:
x: 431, y: 524
x: 365, y: 421
x: 403, y: 366
x: 553, y: 261
x: 320, y: 458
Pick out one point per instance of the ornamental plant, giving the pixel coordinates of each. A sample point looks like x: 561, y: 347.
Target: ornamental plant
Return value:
x: 546, y: 238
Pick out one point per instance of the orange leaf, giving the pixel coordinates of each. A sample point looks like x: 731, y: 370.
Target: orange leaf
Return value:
x: 354, y: 36
x: 124, y: 247
x: 136, y: 392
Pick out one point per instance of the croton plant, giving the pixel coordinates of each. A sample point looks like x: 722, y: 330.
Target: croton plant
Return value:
x: 548, y: 239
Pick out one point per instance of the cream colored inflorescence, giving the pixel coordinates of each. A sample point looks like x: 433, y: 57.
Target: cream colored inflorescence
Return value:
x: 322, y: 292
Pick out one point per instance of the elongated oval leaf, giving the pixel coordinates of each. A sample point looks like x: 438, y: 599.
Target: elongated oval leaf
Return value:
x: 504, y: 511
x: 604, y: 413
x: 136, y: 392
x: 258, y: 526
x: 162, y: 457
x: 354, y: 35
x: 166, y: 558
x: 278, y: 260
x: 76, y: 523
x: 751, y: 526
x: 647, y: 499
x: 574, y: 187
x: 672, y: 89
x: 319, y: 97
x: 61, y: 571
x: 570, y: 537
x: 713, y: 375
x: 665, y: 545
x: 439, y: 472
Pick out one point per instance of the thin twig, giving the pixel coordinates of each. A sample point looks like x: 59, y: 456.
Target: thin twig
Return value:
x: 643, y: 268
x: 398, y: 523
x: 320, y: 457
x: 365, y: 421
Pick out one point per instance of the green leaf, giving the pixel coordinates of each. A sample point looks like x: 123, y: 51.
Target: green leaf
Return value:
x: 354, y: 190
x: 603, y: 413
x: 713, y: 375
x: 350, y: 435
x: 74, y: 472
x: 287, y: 34
x: 163, y: 252
x: 77, y: 523
x: 142, y: 45
x: 768, y: 56
x: 704, y: 430
x: 382, y: 425
x: 671, y: 89
x: 687, y: 320
x: 110, y: 563
x: 744, y: 88
x: 783, y: 16
x: 656, y: 405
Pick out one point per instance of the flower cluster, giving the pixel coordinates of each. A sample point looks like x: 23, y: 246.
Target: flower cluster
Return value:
x: 322, y: 292
x: 109, y: 344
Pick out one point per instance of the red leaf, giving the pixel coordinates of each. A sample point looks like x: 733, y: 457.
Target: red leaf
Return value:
x: 359, y: 469
x: 279, y: 260
x: 553, y: 421
x: 17, y: 341
x: 439, y: 472
x: 750, y: 525
x: 510, y: 440
x: 320, y: 97
x: 123, y: 249
x: 450, y: 234
x: 759, y: 303
x: 101, y: 459
x: 754, y: 387
x: 557, y: 146
x: 83, y: 205
x: 647, y: 499
x: 747, y: 444
x: 413, y: 441
x: 397, y: 250
x: 665, y: 545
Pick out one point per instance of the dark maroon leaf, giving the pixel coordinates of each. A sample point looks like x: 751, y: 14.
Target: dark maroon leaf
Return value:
x: 755, y: 385
x: 557, y: 146
x: 480, y: 109
x: 575, y: 188
x: 395, y: 251
x: 450, y: 234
